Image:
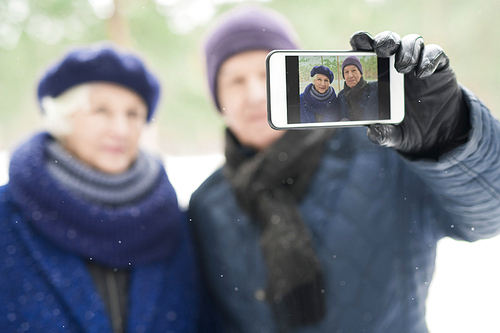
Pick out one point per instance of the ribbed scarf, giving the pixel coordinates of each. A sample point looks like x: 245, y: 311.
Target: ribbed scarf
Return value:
x: 100, y: 188
x: 324, y: 96
x: 268, y: 186
x: 143, y: 230
x: 353, y: 97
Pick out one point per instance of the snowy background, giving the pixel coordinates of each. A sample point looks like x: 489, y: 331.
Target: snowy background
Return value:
x: 464, y: 295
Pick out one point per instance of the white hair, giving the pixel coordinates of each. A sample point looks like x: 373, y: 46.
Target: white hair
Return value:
x: 315, y: 75
x: 57, y: 110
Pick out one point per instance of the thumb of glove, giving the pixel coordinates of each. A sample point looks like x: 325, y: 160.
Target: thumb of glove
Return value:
x: 385, y: 135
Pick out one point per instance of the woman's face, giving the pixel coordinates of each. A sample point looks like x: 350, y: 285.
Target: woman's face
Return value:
x: 241, y: 91
x: 352, y: 75
x: 321, y: 83
x: 106, y: 137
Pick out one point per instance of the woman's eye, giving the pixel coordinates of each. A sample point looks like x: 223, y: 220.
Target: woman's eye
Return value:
x: 136, y: 114
x: 101, y: 110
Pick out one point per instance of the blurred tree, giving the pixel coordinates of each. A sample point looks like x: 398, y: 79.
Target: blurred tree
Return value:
x: 169, y: 32
x: 369, y: 65
x: 117, y: 25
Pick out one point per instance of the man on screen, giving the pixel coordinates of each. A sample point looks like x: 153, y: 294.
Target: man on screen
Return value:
x: 359, y: 98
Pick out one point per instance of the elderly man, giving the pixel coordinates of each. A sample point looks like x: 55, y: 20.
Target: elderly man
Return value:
x: 322, y: 230
x: 359, y: 98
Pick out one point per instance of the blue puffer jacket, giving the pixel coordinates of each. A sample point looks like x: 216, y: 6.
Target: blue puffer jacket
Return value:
x: 44, y: 289
x: 368, y: 103
x: 375, y: 219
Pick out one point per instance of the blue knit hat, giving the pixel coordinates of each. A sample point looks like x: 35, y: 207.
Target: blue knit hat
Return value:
x: 323, y: 70
x: 352, y: 60
x: 100, y: 62
x: 243, y: 29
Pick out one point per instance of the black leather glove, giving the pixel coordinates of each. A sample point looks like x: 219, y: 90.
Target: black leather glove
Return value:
x: 436, y: 115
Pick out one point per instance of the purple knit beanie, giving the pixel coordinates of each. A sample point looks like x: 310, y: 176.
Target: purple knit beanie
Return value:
x: 101, y: 61
x: 243, y: 29
x: 352, y: 60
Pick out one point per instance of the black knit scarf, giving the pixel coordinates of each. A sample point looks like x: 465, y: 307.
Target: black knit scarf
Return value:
x: 353, y: 97
x: 268, y: 185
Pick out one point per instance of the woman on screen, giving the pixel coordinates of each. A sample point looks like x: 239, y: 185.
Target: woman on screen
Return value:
x: 359, y: 98
x: 318, y: 102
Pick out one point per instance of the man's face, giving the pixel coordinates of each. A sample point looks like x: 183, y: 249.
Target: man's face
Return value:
x: 241, y: 92
x: 352, y: 75
x: 321, y: 83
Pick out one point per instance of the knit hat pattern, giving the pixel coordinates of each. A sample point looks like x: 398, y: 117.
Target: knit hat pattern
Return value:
x: 352, y: 60
x: 323, y: 70
x: 243, y: 29
x: 101, y: 61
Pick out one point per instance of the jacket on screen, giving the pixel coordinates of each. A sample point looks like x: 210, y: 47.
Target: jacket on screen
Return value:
x: 312, y: 110
x: 368, y: 103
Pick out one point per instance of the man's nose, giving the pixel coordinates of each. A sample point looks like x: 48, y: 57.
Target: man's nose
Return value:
x: 256, y: 90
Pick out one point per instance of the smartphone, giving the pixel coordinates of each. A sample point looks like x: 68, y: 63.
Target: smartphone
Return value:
x: 332, y: 89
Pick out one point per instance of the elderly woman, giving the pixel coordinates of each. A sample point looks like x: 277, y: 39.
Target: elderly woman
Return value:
x: 318, y: 101
x: 92, y: 239
x: 359, y: 98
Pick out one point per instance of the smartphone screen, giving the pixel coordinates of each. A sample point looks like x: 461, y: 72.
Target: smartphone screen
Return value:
x: 339, y: 88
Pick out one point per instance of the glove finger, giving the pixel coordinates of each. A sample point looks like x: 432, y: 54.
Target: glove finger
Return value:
x: 432, y: 59
x: 361, y: 41
x: 386, y: 43
x: 408, y: 55
x: 385, y: 135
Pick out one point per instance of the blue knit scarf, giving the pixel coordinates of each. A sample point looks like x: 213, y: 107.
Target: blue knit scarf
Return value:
x: 133, y: 232
x: 321, y: 97
x: 101, y: 188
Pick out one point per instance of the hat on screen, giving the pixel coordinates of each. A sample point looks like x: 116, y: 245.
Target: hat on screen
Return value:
x: 322, y: 70
x: 352, y: 60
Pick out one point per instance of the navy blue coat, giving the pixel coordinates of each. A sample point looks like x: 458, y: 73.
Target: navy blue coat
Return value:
x: 375, y: 220
x: 368, y: 103
x: 44, y: 289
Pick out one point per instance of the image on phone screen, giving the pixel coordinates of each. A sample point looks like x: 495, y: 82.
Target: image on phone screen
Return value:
x: 337, y: 88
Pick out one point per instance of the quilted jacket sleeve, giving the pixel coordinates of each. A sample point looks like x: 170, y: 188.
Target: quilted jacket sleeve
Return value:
x: 468, y: 177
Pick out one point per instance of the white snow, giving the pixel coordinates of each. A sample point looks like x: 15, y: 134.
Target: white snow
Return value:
x: 464, y: 295
x: 186, y: 173
x: 4, y: 167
